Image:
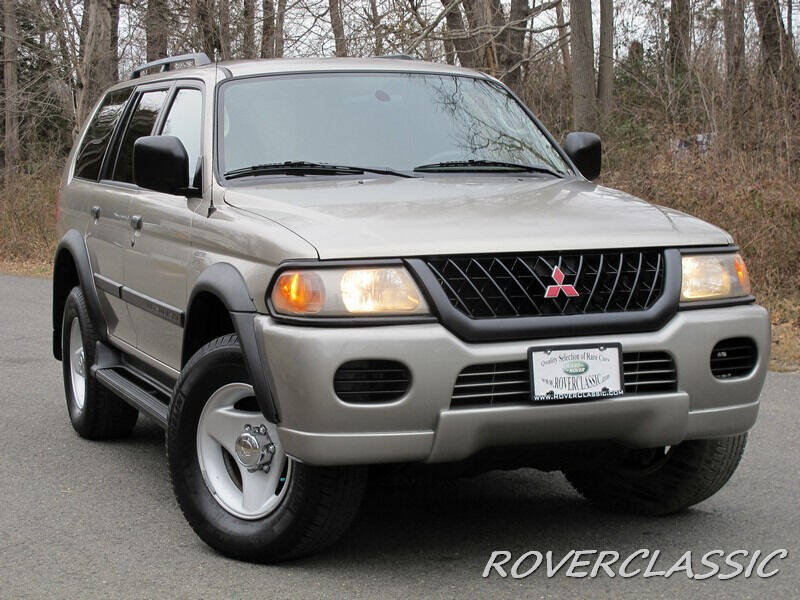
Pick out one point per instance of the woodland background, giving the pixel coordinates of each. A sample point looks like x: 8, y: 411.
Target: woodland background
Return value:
x: 697, y: 101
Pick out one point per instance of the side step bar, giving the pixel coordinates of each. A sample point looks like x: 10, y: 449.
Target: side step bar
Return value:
x: 134, y: 387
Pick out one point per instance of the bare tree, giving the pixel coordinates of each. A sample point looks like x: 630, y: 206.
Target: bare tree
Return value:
x: 605, y: 62
x: 779, y: 54
x: 98, y: 55
x: 680, y: 36
x: 224, y: 28
x: 11, y: 87
x: 375, y: 18
x: 156, y: 29
x: 584, y: 102
x: 280, y: 30
x: 733, y: 27
x: 249, y: 29
x: 511, y: 56
x: 203, y: 18
x: 337, y: 25
x: 463, y: 44
x: 562, y: 28
x: 268, y: 29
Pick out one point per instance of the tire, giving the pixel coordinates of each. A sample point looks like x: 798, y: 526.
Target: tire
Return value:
x: 661, y: 481
x: 309, y: 508
x: 95, y: 412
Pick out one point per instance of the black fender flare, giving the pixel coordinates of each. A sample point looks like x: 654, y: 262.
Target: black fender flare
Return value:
x: 73, y: 243
x: 225, y: 282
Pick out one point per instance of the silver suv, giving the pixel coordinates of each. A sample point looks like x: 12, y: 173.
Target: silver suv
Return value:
x: 312, y: 271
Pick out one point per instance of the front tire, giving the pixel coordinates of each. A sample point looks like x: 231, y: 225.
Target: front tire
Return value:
x: 660, y: 481
x: 95, y: 412
x: 248, y: 513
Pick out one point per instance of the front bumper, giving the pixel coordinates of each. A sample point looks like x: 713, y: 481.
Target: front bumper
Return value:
x: 318, y: 428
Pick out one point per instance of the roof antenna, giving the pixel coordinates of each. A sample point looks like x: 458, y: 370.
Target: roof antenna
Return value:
x: 211, y: 207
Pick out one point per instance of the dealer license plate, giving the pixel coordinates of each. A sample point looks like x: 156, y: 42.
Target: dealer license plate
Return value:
x: 575, y: 372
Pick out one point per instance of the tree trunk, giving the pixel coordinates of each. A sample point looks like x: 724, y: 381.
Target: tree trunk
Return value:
x: 584, y: 102
x: 156, y: 29
x: 99, y: 59
x: 337, y: 25
x: 225, y: 28
x: 249, y: 33
x: 462, y: 43
x: 733, y: 26
x: 605, y: 66
x: 779, y: 56
x: 515, y: 43
x: 680, y: 32
x: 280, y: 33
x: 375, y: 22
x: 10, y: 83
x: 114, y: 41
x: 562, y: 28
x: 207, y: 27
x: 268, y: 30
x: 479, y: 20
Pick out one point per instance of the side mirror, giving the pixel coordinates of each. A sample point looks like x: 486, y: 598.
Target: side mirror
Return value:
x: 160, y: 163
x: 585, y: 150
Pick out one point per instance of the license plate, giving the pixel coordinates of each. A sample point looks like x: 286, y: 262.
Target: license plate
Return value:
x: 575, y: 372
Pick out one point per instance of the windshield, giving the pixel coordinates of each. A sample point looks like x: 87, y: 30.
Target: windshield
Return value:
x: 393, y: 120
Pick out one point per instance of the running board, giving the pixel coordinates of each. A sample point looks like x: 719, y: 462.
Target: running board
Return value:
x: 130, y: 384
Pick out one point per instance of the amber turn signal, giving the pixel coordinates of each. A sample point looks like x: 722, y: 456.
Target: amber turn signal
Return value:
x: 298, y: 293
x: 741, y: 273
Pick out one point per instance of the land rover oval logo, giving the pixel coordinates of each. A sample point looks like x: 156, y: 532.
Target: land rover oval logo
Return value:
x: 575, y: 367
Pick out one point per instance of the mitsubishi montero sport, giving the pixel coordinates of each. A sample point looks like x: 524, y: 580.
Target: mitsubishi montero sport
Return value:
x: 312, y: 272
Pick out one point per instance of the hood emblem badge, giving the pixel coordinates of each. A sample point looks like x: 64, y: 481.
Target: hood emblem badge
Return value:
x: 553, y: 291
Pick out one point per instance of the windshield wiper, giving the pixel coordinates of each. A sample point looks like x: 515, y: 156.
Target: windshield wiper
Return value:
x: 485, y: 165
x: 301, y: 167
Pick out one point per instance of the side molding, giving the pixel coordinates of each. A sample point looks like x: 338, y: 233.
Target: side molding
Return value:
x: 74, y: 244
x: 225, y: 282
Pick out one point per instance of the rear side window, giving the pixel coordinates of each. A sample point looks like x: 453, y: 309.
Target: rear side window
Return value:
x: 140, y: 124
x: 98, y: 134
x: 185, y: 121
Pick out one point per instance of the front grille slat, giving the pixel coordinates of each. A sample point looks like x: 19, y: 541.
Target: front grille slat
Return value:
x: 510, y: 286
x: 483, y: 385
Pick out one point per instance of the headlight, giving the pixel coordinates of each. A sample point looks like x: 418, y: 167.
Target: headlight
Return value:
x: 713, y: 277
x: 364, y: 291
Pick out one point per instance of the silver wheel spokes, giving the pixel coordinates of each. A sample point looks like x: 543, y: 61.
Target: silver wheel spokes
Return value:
x: 77, y: 363
x: 259, y: 489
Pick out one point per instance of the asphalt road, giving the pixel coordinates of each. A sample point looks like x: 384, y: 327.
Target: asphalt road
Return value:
x: 81, y: 519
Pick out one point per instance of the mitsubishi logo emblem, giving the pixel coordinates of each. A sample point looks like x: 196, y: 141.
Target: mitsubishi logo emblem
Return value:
x: 553, y: 291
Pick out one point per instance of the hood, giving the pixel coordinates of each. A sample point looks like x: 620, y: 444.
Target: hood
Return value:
x: 396, y: 217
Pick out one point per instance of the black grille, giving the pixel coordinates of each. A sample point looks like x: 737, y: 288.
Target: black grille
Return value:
x: 506, y: 383
x: 734, y: 357
x: 360, y: 381
x: 484, y: 287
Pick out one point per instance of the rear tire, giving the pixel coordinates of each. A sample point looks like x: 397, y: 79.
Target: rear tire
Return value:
x: 95, y: 412
x: 310, y: 513
x: 661, y: 481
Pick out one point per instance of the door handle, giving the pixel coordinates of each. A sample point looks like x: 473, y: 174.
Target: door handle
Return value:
x: 136, y: 222
x: 95, y: 210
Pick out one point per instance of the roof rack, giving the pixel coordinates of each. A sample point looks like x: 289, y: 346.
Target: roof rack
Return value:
x: 199, y: 59
x: 396, y: 56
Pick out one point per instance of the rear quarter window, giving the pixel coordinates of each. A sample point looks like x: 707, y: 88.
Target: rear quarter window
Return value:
x: 98, y: 134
